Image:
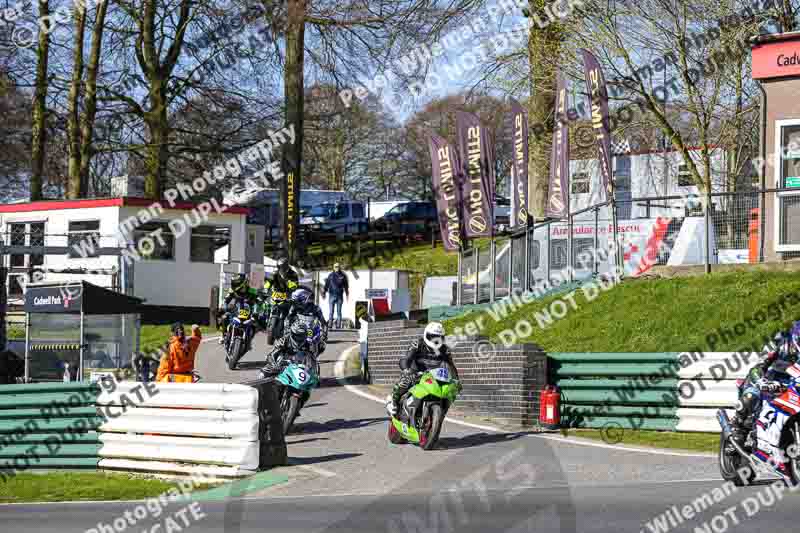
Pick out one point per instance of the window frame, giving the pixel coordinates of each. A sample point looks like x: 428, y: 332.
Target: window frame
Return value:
x: 72, y: 254
x: 778, y: 177
x: 164, y: 223
x: 230, y: 240
x: 26, y: 241
x: 684, y: 173
x: 574, y: 182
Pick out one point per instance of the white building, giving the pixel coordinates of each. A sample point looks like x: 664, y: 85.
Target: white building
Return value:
x: 178, y: 271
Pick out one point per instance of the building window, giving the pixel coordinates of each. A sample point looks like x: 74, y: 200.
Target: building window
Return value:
x: 26, y: 234
x: 85, y: 236
x: 207, y: 241
x: 790, y: 164
x: 580, y: 183
x: 582, y: 257
x: 558, y: 254
x: 155, y: 241
x: 16, y: 285
x: 684, y: 176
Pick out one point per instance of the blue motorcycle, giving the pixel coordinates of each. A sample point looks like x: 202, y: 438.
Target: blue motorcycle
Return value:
x: 298, y: 378
x: 240, y: 334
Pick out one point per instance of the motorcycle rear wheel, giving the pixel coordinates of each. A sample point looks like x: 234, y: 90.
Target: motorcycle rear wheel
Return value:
x: 729, y: 465
x: 429, y: 434
x: 235, y: 353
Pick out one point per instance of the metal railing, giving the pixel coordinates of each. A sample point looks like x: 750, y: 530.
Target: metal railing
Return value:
x: 714, y: 228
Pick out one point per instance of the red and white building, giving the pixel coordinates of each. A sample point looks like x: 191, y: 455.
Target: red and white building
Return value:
x: 178, y: 271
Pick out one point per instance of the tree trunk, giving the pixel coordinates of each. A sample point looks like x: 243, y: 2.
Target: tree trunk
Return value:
x: 293, y: 154
x: 90, y: 95
x: 38, y: 127
x: 74, y: 189
x: 543, y: 52
x: 157, y: 149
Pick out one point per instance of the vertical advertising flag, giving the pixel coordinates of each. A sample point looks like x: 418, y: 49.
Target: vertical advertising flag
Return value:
x: 446, y: 190
x: 598, y: 99
x: 476, y: 159
x: 519, y: 166
x: 558, y: 194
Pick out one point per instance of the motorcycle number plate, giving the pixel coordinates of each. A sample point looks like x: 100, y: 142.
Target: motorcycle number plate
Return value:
x: 441, y: 374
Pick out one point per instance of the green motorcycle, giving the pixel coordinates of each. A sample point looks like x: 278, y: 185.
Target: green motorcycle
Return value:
x: 423, y: 408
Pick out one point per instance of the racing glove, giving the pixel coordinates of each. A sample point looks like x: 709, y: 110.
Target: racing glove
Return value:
x: 769, y: 386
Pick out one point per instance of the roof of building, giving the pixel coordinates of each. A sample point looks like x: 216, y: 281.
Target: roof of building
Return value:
x: 87, y: 203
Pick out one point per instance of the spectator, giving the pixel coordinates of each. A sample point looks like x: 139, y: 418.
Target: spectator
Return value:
x: 336, y: 288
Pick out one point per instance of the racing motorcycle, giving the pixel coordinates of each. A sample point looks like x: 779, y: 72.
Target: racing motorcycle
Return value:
x: 777, y: 442
x: 423, y: 408
x: 240, y: 332
x: 277, y: 316
x: 298, y: 378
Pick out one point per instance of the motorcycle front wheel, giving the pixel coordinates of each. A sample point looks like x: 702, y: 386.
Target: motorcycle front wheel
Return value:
x: 272, y: 330
x: 289, y: 409
x: 431, y: 427
x: 235, y: 353
x: 793, y: 453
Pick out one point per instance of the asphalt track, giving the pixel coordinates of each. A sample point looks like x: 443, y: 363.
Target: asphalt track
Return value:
x: 345, y: 476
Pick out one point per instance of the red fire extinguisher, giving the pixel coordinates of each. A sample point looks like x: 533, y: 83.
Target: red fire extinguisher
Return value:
x: 549, y: 416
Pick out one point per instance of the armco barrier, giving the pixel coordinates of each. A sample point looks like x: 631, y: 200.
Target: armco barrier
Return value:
x: 502, y: 383
x: 665, y: 391
x: 50, y: 425
x: 218, y: 430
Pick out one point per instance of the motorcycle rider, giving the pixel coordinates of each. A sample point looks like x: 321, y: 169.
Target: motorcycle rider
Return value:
x: 281, y: 285
x: 304, y: 306
x: 240, y: 290
x: 178, y: 363
x: 762, y: 377
x: 425, y: 353
x: 294, y: 341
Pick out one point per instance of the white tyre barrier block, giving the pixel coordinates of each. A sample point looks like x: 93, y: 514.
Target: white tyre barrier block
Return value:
x: 716, y: 394
x: 704, y: 420
x: 164, y: 467
x: 226, y: 452
x: 714, y: 370
x: 221, y: 396
x: 188, y: 422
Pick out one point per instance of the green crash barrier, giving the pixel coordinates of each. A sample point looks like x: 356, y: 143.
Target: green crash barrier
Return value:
x: 627, y: 390
x: 48, y: 425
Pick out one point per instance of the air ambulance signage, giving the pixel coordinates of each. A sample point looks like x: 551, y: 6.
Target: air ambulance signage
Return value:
x: 776, y: 59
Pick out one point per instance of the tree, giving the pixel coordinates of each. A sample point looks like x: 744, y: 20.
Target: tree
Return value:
x: 38, y: 130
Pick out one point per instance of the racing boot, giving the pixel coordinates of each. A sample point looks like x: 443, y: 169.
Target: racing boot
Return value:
x: 741, y: 433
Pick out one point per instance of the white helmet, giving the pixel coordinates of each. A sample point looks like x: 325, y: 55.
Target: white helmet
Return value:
x: 434, y: 336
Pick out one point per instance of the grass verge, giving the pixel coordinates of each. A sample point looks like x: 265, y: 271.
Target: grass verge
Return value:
x: 697, y: 442
x: 677, y: 314
x: 83, y: 486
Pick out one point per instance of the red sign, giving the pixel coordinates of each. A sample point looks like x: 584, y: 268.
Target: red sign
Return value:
x: 776, y: 60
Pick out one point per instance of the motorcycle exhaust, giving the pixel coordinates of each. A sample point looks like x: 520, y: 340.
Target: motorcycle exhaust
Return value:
x: 724, y: 422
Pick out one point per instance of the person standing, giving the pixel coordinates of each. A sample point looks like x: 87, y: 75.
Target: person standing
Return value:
x: 337, y: 289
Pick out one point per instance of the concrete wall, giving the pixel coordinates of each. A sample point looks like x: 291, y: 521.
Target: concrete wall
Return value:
x: 503, y: 385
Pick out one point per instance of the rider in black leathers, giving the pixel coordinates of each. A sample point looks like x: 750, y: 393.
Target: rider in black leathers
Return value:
x: 295, y: 340
x: 303, y: 305
x: 426, y: 353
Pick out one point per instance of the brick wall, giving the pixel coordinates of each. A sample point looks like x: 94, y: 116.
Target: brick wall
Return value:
x: 502, y: 385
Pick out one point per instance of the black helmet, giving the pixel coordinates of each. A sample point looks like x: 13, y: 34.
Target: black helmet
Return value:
x: 177, y: 330
x: 239, y: 283
x: 299, y: 334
